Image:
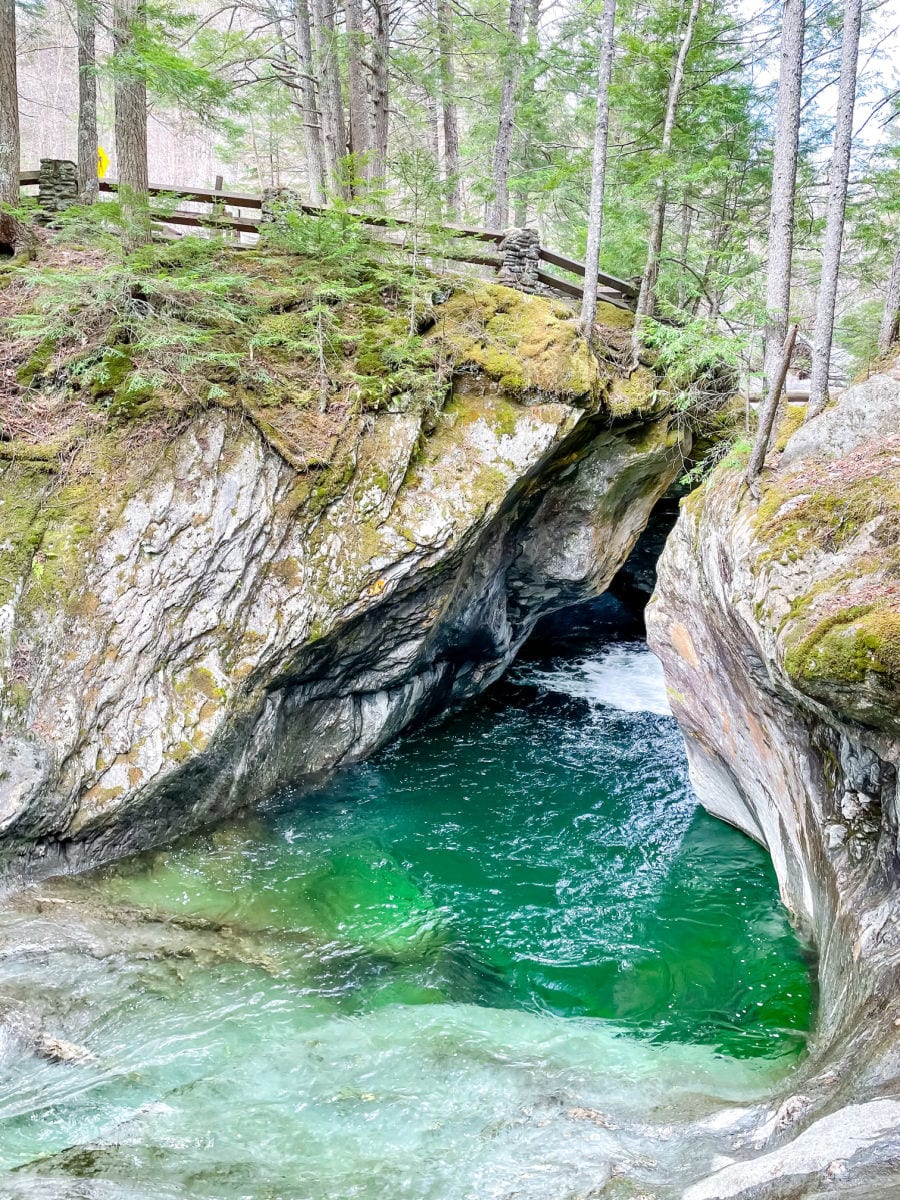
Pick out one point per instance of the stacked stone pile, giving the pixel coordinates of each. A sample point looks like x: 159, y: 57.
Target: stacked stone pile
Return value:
x: 276, y: 201
x: 521, y: 254
x: 58, y: 184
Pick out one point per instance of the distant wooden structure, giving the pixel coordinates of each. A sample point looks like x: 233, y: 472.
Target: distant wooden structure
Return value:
x: 242, y: 212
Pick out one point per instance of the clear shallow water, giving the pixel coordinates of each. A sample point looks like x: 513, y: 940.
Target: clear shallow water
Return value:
x: 508, y: 958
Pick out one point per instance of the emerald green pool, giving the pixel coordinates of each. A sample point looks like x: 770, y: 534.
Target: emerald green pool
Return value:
x: 489, y: 963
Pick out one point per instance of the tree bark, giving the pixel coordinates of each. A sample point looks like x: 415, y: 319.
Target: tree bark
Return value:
x: 434, y: 138
x: 523, y: 146
x: 360, y: 117
x: 837, y: 204
x: 381, y: 82
x: 647, y: 295
x: 887, y: 334
x: 14, y: 232
x: 131, y: 127
x: 10, y: 149
x: 334, y: 134
x: 312, y: 129
x: 768, y: 412
x: 86, y: 24
x: 448, y: 105
x: 598, y: 170
x: 498, y: 210
x: 784, y: 178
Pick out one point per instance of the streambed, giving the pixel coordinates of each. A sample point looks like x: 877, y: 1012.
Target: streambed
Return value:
x: 509, y: 957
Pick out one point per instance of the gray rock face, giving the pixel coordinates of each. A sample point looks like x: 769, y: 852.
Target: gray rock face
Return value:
x: 223, y: 626
x: 778, y: 626
x: 867, y: 411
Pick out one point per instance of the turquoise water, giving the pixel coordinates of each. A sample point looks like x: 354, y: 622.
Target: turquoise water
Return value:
x: 504, y: 959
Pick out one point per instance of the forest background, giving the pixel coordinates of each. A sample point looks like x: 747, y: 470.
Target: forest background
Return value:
x: 431, y: 92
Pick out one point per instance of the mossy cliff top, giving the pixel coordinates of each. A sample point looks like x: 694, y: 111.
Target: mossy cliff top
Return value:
x: 821, y: 550
x: 309, y: 330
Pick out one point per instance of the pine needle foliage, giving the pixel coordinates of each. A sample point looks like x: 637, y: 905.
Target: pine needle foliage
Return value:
x: 319, y: 311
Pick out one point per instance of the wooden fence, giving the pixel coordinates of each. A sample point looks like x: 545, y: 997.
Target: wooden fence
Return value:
x: 236, y: 211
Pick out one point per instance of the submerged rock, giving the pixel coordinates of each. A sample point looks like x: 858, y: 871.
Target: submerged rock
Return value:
x: 190, y: 617
x: 778, y: 624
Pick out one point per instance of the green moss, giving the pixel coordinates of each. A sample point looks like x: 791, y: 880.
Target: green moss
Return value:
x: 796, y: 515
x: 794, y: 416
x: 47, y: 524
x: 113, y: 369
x: 18, y: 695
x: 633, y: 395
x: 523, y: 343
x: 846, y: 646
x: 502, y: 417
x: 23, y: 522
x: 614, y: 317
x: 116, y: 383
x: 831, y: 650
x: 200, y: 684
x: 31, y: 371
x: 881, y: 630
x: 28, y: 452
x: 182, y: 752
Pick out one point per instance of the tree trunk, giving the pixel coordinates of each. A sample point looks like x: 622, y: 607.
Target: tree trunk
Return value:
x: 360, y: 117
x: 687, y: 223
x: 381, y: 80
x: 448, y: 104
x: 334, y: 134
x: 598, y: 170
x: 784, y: 177
x: 88, y: 182
x: 768, y: 412
x: 647, y: 294
x: 887, y: 334
x: 498, y: 210
x: 10, y: 150
x: 837, y: 204
x: 131, y: 127
x: 434, y: 140
x: 312, y: 129
x: 522, y: 144
x: 14, y: 233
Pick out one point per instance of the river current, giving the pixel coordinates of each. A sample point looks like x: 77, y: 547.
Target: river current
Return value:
x: 508, y: 959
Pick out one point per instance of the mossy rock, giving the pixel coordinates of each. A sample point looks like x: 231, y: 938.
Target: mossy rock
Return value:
x: 525, y: 344
x: 636, y: 394
x: 829, y: 511
x: 613, y: 317
x: 847, y: 646
x: 793, y: 418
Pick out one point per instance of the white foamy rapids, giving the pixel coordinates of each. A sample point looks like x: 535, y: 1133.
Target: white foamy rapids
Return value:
x: 626, y: 676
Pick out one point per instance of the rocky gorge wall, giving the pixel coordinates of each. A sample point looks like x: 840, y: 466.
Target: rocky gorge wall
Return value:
x: 778, y: 624
x: 188, y: 621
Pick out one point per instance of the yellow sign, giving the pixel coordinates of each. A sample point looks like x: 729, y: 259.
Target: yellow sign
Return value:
x: 102, y: 162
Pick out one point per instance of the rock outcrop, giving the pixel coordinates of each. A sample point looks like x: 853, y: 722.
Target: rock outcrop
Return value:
x: 188, y: 619
x: 778, y: 624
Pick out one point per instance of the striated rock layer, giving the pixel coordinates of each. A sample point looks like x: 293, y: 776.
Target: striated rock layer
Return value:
x: 188, y: 621
x: 778, y: 623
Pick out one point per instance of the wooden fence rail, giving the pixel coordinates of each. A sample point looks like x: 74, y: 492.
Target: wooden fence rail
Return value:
x: 620, y: 292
